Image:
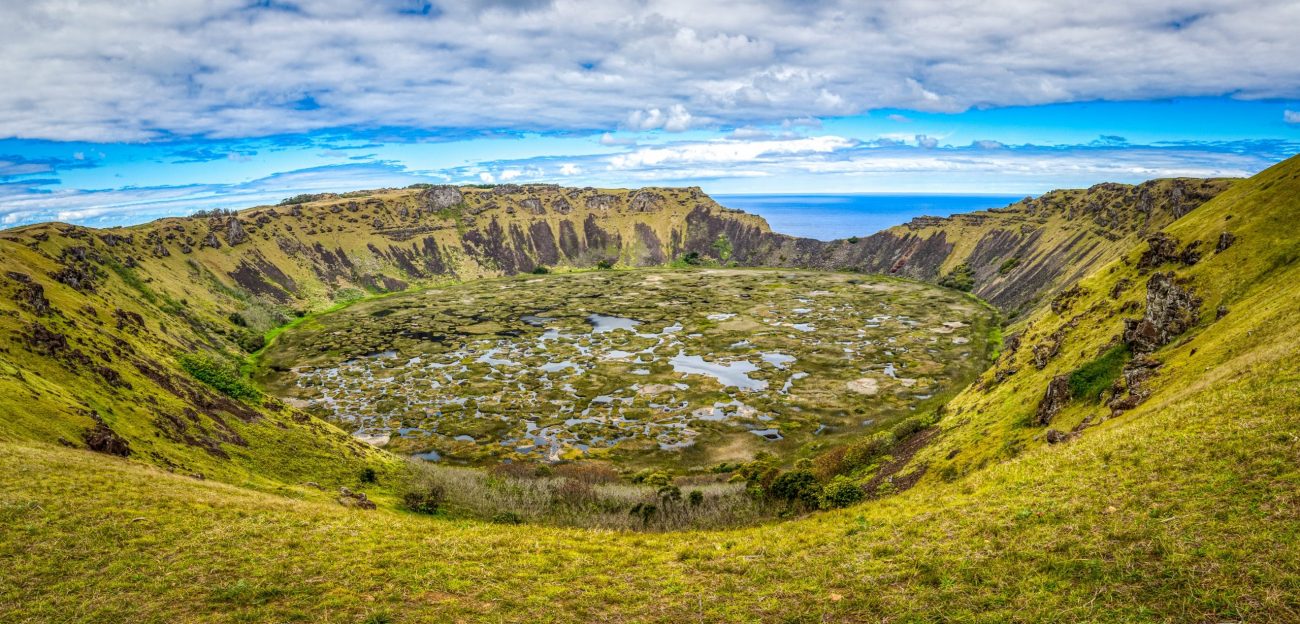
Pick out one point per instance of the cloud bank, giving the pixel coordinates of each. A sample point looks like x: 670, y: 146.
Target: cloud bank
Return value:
x: 133, y: 70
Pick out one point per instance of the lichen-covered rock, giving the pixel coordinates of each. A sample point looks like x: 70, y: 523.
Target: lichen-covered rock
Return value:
x: 1161, y: 248
x: 30, y: 294
x: 533, y: 206
x: 1057, y: 395
x: 102, y: 439
x: 602, y: 203
x: 210, y: 241
x: 1170, y: 311
x: 235, y: 233
x: 1044, y: 351
x: 356, y: 500
x: 646, y: 201
x: 1226, y: 239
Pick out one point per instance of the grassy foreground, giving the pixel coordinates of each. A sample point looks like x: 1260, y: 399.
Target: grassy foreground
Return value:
x: 1189, y: 512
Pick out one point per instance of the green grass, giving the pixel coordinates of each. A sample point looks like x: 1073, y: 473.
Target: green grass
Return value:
x: 1091, y: 379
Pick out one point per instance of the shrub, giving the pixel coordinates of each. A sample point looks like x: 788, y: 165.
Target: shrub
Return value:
x: 423, y: 497
x: 853, y: 240
x: 695, y: 498
x: 692, y: 258
x: 863, y: 451
x: 250, y: 341
x: 368, y: 475
x: 1091, y: 379
x: 961, y: 278
x: 540, y: 270
x: 1010, y: 263
x: 722, y: 247
x: 221, y: 375
x: 604, y: 265
x: 796, y: 486
x: 909, y: 426
x: 841, y: 492
x: 507, y: 517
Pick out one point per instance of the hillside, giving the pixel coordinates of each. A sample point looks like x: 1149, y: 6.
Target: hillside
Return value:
x: 95, y: 323
x: 1012, y: 257
x: 1132, y: 456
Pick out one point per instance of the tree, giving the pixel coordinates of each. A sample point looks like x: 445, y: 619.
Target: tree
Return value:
x: 722, y: 247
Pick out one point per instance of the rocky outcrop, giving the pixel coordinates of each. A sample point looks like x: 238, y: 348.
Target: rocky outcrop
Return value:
x: 102, y: 439
x: 440, y: 197
x: 355, y: 500
x: 1170, y: 311
x: 1130, y: 389
x: 1057, y: 395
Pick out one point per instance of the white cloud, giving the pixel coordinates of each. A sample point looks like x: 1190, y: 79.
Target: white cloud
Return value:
x: 134, y: 70
x: 1291, y: 117
x: 896, y: 118
x: 570, y: 169
x: 608, y: 139
x: 510, y: 174
x: 675, y: 119
x: 927, y: 142
x: 487, y: 178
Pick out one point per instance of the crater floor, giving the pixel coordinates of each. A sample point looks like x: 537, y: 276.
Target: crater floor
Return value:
x: 649, y: 367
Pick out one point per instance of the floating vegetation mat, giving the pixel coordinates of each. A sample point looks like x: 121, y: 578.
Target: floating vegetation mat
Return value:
x: 690, y: 367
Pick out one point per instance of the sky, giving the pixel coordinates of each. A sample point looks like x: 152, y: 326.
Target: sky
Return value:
x: 115, y: 112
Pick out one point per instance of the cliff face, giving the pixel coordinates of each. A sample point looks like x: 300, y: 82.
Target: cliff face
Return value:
x: 1013, y: 257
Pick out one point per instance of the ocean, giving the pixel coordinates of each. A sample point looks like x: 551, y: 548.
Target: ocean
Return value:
x: 827, y: 217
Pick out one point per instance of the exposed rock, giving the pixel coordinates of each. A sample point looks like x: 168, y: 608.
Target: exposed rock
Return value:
x: 30, y: 294
x: 101, y: 439
x: 356, y: 500
x: 533, y: 206
x: 1063, y: 300
x: 1120, y: 287
x: 1057, y: 395
x: 1130, y: 389
x: 646, y: 201
x: 1220, y: 312
x: 210, y: 241
x: 1056, y: 437
x: 561, y: 206
x: 1044, y: 351
x: 1170, y: 311
x: 602, y: 202
x: 441, y: 197
x: 1226, y: 239
x: 235, y: 233
x: 1161, y: 248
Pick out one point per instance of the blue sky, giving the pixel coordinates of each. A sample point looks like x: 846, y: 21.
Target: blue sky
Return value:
x: 124, y: 111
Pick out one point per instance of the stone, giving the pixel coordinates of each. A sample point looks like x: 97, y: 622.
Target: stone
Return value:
x: 1226, y: 239
x: 102, y: 439
x: 1171, y: 310
x: 1057, y: 395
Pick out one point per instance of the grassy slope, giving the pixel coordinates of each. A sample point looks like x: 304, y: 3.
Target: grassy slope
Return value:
x: 1183, y: 509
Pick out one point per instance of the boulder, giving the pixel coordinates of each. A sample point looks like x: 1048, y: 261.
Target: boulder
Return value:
x: 1057, y: 395
x: 356, y: 500
x: 441, y: 197
x: 102, y: 439
x: 1171, y: 310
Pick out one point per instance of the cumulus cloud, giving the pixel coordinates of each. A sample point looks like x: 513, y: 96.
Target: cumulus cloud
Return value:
x: 133, y: 70
x: 675, y: 119
x: 1291, y: 117
x: 570, y: 169
x: 926, y: 142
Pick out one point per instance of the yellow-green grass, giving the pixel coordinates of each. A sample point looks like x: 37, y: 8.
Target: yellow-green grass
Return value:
x: 1186, y: 511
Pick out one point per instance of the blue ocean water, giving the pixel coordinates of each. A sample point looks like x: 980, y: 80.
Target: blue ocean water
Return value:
x: 827, y: 217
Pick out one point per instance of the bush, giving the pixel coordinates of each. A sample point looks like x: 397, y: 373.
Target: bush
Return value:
x: 368, y: 475
x: 540, y: 270
x: 424, y: 498
x: 853, y: 240
x: 507, y: 517
x: 863, y: 451
x: 221, y: 375
x: 692, y: 258
x: 841, y: 492
x: 722, y: 247
x: 909, y: 426
x: 796, y: 486
x: 250, y: 341
x: 1010, y: 263
x: 961, y: 278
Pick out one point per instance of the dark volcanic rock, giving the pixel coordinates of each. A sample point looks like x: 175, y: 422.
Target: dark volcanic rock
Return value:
x: 1057, y: 395
x: 1226, y: 239
x: 356, y: 500
x: 30, y: 294
x: 1161, y: 248
x: 101, y: 439
x: 1171, y: 310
